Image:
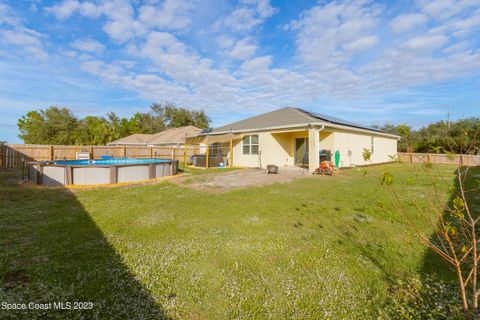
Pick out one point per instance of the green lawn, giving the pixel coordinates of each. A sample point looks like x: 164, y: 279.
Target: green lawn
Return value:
x: 322, y: 248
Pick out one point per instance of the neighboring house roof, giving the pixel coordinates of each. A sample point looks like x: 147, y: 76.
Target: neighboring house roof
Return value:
x: 168, y: 136
x: 290, y: 117
x: 137, y: 138
x: 174, y: 135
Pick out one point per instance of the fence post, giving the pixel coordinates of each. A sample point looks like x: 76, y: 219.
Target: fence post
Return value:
x: 51, y: 152
x: 3, y: 149
x: 124, y: 151
x: 151, y: 152
x: 185, y: 150
x: 411, y: 157
x: 91, y: 152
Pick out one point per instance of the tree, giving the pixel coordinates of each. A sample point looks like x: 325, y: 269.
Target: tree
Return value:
x: 51, y: 126
x: 438, y: 137
x: 406, y: 143
x: 94, y: 131
x: 457, y: 224
x: 175, y: 117
x: 145, y: 123
x: 59, y: 126
x: 116, y: 129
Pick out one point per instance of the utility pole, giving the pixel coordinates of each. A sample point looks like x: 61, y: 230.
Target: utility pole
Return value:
x: 448, y: 116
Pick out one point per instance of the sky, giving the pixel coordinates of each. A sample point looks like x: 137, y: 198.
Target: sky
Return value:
x: 369, y: 62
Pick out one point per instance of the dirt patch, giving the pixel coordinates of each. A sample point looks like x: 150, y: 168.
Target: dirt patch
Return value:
x: 221, y: 182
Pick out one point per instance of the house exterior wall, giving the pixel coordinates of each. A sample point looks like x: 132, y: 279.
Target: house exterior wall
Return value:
x: 352, y: 144
x: 279, y: 148
x: 273, y: 148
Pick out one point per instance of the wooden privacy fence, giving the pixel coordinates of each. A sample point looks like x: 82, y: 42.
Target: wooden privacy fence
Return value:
x: 16, y: 155
x: 440, y: 158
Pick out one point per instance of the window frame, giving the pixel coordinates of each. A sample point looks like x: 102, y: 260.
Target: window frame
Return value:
x: 214, y: 148
x: 248, y: 145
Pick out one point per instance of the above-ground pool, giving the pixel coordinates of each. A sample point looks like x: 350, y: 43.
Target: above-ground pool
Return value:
x: 99, y: 171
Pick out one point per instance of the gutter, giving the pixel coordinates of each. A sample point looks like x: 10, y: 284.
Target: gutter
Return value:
x: 364, y: 131
x: 302, y: 125
x: 322, y: 126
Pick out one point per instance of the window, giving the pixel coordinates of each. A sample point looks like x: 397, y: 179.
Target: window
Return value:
x: 214, y: 148
x: 371, y: 143
x: 250, y: 144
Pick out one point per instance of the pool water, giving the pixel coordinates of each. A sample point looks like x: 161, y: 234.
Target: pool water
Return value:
x: 113, y: 161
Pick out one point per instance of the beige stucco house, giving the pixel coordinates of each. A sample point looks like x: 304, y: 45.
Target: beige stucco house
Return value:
x: 296, y: 137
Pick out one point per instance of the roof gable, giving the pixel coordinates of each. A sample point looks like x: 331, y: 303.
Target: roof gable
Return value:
x: 277, y: 118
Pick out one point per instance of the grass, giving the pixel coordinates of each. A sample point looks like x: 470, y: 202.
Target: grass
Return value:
x: 328, y: 248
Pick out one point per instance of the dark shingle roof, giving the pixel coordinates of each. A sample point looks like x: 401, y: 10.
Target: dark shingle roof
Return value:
x: 276, y: 118
x: 336, y: 120
x: 286, y: 117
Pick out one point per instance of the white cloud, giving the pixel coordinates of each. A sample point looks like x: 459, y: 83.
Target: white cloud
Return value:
x: 121, y: 25
x: 329, y: 38
x: 264, y: 9
x: 444, y: 9
x: 14, y: 35
x: 243, y: 49
x: 361, y: 44
x: 256, y: 64
x: 7, y: 17
x: 123, y: 21
x: 30, y: 44
x: 87, y: 45
x: 224, y: 42
x: 67, y: 8
x: 323, y: 32
x: 426, y: 42
x: 170, y: 15
x: 247, y: 15
x: 64, y: 9
x: 342, y: 49
x: 407, y: 22
x: 461, y: 25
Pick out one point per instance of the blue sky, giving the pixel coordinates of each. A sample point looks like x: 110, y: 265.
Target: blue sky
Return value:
x: 366, y: 61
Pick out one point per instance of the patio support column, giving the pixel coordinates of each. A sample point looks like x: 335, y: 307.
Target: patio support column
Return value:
x: 313, y: 148
x: 231, y: 153
x: 207, y: 157
x: 185, y: 151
